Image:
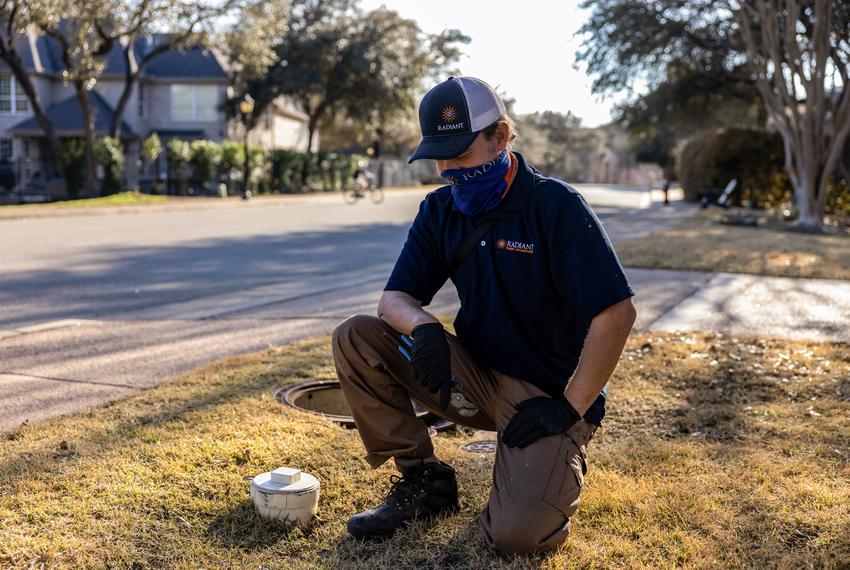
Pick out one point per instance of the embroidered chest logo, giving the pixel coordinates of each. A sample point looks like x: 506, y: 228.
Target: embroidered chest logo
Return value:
x: 517, y: 246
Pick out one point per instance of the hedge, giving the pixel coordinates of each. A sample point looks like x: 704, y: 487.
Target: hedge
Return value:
x: 755, y: 157
x: 200, y: 164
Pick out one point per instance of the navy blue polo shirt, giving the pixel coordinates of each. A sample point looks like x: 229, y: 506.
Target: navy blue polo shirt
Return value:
x: 530, y: 289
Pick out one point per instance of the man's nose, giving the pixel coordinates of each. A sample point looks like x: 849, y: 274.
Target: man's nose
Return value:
x: 446, y: 165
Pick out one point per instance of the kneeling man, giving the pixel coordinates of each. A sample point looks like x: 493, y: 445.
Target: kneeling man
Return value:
x: 545, y: 310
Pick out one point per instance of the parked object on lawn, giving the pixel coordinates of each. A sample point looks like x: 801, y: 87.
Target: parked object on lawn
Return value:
x: 286, y: 494
x: 723, y: 200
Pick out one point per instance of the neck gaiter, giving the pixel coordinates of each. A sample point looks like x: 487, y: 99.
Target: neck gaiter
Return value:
x: 480, y: 188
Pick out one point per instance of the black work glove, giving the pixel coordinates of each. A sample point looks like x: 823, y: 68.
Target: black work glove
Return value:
x: 539, y: 417
x: 431, y: 360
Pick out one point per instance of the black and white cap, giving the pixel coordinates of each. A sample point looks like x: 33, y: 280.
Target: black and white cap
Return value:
x: 452, y: 114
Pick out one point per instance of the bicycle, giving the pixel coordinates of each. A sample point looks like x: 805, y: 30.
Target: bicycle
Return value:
x: 364, y: 186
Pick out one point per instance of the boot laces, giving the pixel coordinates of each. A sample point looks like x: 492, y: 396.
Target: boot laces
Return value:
x: 404, y: 487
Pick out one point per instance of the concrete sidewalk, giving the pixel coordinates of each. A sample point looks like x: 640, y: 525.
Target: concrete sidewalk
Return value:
x: 75, y: 364
x: 743, y: 305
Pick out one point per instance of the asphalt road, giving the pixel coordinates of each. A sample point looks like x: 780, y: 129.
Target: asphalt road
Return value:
x: 96, y: 307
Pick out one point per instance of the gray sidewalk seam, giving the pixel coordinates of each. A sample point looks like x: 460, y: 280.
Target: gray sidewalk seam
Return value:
x: 693, y: 292
x: 93, y: 382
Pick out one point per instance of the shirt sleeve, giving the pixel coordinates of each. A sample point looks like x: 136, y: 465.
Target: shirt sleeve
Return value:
x: 583, y: 263
x: 420, y: 271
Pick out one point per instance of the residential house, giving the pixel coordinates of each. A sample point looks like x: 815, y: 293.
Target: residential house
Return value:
x: 178, y: 95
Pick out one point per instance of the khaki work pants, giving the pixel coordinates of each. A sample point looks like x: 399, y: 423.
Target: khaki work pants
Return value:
x: 535, y: 490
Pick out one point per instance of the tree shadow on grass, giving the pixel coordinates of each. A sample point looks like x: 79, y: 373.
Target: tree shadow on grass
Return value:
x: 415, y: 548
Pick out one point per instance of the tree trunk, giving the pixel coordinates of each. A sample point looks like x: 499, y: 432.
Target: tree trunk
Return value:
x: 88, y: 140
x: 311, y: 131
x: 306, y: 168
x: 115, y: 125
x: 9, y: 54
x: 804, y: 192
x: 791, y: 78
x: 130, y: 76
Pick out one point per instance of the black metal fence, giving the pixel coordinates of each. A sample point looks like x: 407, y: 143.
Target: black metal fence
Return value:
x: 28, y: 180
x: 32, y: 181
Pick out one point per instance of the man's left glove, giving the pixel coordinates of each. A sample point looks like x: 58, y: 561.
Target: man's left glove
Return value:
x: 537, y: 418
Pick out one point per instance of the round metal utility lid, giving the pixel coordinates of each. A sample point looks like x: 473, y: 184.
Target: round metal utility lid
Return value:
x: 285, y: 480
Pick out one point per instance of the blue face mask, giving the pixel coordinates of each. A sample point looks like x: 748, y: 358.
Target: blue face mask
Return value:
x: 480, y: 188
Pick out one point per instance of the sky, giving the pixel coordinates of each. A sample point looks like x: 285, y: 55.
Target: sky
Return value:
x: 523, y: 48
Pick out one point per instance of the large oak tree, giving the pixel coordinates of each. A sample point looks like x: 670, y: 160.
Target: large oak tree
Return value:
x: 696, y: 57
x: 335, y: 59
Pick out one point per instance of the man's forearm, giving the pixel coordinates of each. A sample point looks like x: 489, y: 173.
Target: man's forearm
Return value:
x: 402, y: 312
x: 601, y: 353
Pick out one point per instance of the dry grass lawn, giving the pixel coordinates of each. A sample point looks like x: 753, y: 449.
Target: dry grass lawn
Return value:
x: 701, y: 243
x: 716, y: 453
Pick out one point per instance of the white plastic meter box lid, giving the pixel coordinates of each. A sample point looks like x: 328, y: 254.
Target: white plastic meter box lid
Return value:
x: 285, y: 480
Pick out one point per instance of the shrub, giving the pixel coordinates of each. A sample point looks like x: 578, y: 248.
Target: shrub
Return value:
x: 232, y: 159
x: 179, y: 153
x: 71, y: 160
x: 838, y: 197
x: 110, y: 154
x: 752, y: 156
x: 286, y: 170
x: 232, y: 155
x: 151, y: 148
x: 204, y: 158
x: 257, y: 160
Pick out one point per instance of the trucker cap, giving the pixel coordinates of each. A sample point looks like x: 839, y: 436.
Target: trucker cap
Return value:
x: 452, y: 114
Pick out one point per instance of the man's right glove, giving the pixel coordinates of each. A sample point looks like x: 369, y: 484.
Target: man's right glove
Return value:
x: 431, y: 360
x: 539, y: 417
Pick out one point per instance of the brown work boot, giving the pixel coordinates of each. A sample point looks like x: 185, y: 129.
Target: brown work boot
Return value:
x: 423, y: 490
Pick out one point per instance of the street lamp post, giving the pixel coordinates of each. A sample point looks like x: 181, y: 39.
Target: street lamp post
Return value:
x: 246, y: 107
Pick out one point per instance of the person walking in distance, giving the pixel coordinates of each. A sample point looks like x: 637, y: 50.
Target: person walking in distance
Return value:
x: 545, y: 310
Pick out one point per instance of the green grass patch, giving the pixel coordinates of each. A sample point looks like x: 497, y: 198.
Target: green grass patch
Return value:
x: 119, y: 199
x: 701, y: 243
x: 716, y: 452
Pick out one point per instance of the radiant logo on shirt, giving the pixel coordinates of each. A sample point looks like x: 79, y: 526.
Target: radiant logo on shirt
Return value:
x: 518, y: 246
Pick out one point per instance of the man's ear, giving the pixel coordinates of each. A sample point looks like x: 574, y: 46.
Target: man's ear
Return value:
x: 503, y: 135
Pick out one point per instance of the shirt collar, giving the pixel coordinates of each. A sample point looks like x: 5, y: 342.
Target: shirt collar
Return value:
x: 519, y: 196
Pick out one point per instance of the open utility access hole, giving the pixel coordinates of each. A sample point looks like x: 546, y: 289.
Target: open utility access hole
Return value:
x: 325, y: 398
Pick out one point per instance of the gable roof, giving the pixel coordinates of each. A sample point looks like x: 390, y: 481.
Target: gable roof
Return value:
x: 67, y: 118
x: 196, y: 62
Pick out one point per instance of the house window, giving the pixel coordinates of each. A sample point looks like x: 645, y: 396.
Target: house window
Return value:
x: 12, y: 96
x: 5, y: 149
x: 194, y: 102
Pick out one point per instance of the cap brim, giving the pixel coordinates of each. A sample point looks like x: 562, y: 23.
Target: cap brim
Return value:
x: 442, y: 147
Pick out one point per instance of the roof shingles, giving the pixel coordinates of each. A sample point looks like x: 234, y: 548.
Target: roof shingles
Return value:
x: 67, y: 118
